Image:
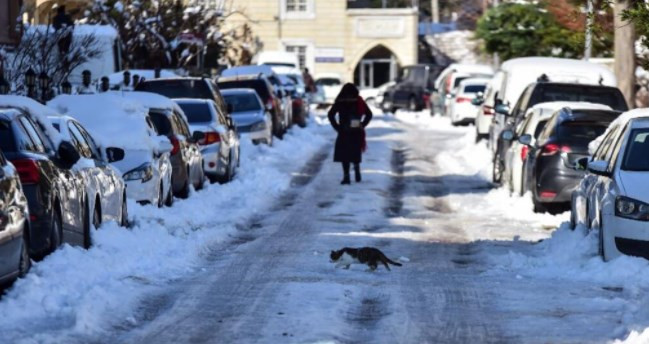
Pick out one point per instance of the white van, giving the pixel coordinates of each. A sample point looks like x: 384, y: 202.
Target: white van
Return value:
x: 278, y: 58
x: 109, y: 60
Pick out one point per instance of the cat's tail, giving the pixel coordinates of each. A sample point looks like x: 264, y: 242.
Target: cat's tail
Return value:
x: 391, y: 262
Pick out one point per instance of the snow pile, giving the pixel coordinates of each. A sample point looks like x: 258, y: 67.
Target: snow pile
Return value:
x: 152, y: 101
x: 114, y: 121
x: 75, y: 292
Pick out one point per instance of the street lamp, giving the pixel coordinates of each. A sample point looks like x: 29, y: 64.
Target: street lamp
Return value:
x: 66, y: 87
x: 43, y: 83
x: 4, y: 85
x: 30, y: 82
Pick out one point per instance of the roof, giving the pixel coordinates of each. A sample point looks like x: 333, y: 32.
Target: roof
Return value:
x: 228, y: 91
x: 192, y: 100
x: 151, y: 100
x: 572, y: 105
x: 37, y: 111
x: 567, y: 69
x: 9, y: 114
x: 239, y: 77
x: 148, y: 74
x: 248, y: 70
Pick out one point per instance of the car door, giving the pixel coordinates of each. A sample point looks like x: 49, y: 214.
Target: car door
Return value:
x: 193, y: 153
x: 226, y: 137
x: 11, y: 212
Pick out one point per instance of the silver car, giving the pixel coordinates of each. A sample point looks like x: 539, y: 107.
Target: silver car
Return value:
x: 249, y: 115
x: 220, y: 144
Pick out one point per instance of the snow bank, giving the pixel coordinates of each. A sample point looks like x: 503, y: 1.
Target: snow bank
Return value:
x: 75, y: 292
x: 114, y: 121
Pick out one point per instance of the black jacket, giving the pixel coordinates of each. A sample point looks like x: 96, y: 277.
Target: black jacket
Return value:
x: 353, y: 116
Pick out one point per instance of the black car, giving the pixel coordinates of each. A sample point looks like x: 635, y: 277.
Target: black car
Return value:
x: 53, y: 191
x: 563, y: 141
x: 544, y: 91
x: 413, y: 88
x: 268, y: 96
x: 14, y: 225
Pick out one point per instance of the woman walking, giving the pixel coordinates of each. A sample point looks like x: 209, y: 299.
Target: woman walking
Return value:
x: 353, y: 116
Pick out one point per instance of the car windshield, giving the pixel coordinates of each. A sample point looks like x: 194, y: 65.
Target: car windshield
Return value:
x: 474, y: 88
x: 177, y: 88
x: 242, y: 102
x: 327, y: 82
x: 161, y: 123
x: 7, y: 143
x: 636, y: 157
x: 196, y: 112
x: 581, y: 131
x: 594, y: 94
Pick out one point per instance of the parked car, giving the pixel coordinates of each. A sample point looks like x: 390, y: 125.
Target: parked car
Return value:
x: 14, y: 223
x: 516, y: 76
x: 448, y: 79
x: 295, y: 86
x: 486, y: 103
x: 374, y: 96
x: 52, y: 188
x: 518, y: 159
x: 169, y: 120
x: 544, y: 91
x: 104, y: 191
x: 563, y: 141
x: 220, y: 146
x: 124, y: 123
x: 262, y: 86
x: 278, y: 58
x: 249, y: 115
x: 330, y: 85
x: 461, y: 109
x: 412, y: 89
x: 612, y: 197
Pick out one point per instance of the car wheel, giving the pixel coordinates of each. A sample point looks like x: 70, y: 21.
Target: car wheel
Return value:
x: 169, y: 200
x: 25, y: 262
x: 538, y: 206
x: 56, y: 236
x: 256, y: 142
x: 269, y: 141
x: 96, y: 218
x: 496, y: 170
x: 228, y: 176
x: 184, y: 192
x: 201, y: 179
x: 124, y: 214
x: 412, y: 104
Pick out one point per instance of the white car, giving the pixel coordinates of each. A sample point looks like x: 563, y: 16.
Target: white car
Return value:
x: 449, y: 78
x: 125, y: 123
x: 517, y: 155
x: 330, y: 84
x: 485, y: 112
x: 374, y: 96
x: 613, y: 197
x: 461, y: 109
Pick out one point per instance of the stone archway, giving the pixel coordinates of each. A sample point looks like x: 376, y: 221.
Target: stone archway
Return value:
x: 377, y: 66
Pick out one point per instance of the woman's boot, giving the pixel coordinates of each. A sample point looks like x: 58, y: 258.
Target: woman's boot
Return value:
x: 345, y: 180
x: 357, y: 172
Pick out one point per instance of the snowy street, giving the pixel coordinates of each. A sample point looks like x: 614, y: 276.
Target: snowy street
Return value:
x: 248, y: 262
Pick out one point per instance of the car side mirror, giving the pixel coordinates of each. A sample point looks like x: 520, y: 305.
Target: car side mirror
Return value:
x: 599, y: 167
x: 502, y: 109
x: 197, y: 136
x: 581, y: 164
x: 525, y: 139
x: 114, y: 154
x: 230, y: 108
x: 68, y: 154
x: 477, y: 101
x: 164, y: 146
x: 508, y: 135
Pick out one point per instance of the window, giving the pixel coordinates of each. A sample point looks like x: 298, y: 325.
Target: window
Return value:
x: 244, y: 102
x: 637, y: 151
x: 300, y: 51
x: 296, y: 6
x: 197, y: 112
x: 38, y: 146
x: 79, y: 141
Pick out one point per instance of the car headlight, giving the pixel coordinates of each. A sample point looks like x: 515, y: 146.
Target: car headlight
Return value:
x: 258, y: 126
x: 631, y: 209
x: 143, y: 172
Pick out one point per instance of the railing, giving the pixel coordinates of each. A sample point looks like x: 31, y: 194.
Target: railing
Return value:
x: 352, y: 4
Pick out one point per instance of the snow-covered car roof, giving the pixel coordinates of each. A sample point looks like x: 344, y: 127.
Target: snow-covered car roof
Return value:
x: 572, y: 105
x: 112, y: 120
x: 37, y: 111
x: 229, y: 91
x: 248, y: 70
x: 287, y: 70
x: 619, y: 121
x: 151, y: 100
x: 148, y: 74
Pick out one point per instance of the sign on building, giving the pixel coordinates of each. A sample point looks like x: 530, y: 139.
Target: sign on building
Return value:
x: 329, y: 55
x: 9, y: 12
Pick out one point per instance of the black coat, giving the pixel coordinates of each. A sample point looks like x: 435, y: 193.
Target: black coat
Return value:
x: 349, y: 143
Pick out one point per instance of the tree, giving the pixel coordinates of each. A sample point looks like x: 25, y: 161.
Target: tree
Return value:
x: 164, y: 33
x: 517, y: 30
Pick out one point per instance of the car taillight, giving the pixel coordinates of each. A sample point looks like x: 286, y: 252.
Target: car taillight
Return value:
x: 487, y: 110
x: 547, y: 194
x: 175, y: 143
x: 553, y: 148
x: 210, y: 137
x: 462, y: 100
x: 27, y: 170
x: 524, y: 151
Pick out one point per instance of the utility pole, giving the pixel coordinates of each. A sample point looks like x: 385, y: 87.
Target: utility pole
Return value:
x: 434, y: 11
x: 624, y: 52
x: 589, y: 30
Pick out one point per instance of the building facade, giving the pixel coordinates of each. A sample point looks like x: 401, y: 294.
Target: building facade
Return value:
x: 363, y: 45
